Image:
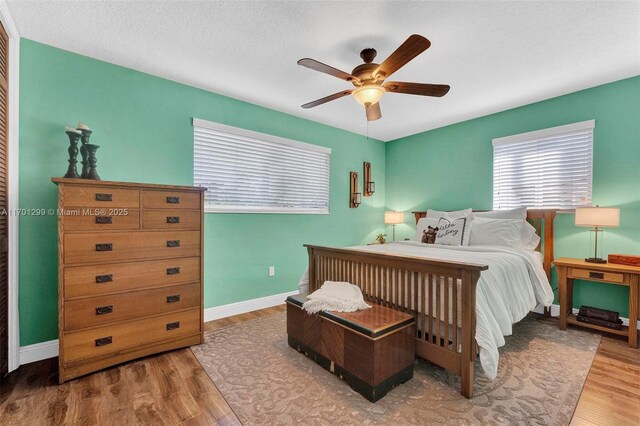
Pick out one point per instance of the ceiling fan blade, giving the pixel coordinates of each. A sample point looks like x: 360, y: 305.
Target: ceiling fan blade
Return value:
x: 373, y: 111
x: 412, y: 47
x: 326, y: 99
x: 319, y: 66
x: 437, y: 90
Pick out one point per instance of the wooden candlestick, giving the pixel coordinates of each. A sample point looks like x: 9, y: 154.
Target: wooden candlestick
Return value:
x: 92, y: 161
x: 74, y: 137
x: 86, y: 134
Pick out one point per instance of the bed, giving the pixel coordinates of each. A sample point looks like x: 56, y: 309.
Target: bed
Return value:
x: 460, y: 311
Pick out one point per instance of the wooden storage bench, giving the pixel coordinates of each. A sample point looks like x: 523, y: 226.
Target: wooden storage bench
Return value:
x: 373, y: 350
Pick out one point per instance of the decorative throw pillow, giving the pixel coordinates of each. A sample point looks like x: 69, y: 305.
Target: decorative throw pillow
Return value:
x: 429, y: 235
x: 423, y: 224
x: 453, y: 232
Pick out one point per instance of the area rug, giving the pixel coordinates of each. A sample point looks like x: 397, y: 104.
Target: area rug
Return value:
x: 540, y: 377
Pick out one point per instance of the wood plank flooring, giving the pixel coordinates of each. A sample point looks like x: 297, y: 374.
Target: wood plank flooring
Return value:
x: 172, y: 388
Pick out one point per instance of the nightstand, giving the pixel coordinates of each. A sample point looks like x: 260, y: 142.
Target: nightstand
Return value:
x: 608, y: 273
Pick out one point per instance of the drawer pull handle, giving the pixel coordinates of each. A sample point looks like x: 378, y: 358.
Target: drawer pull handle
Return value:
x: 101, y: 310
x: 104, y: 341
x: 173, y: 325
x: 173, y: 200
x: 104, y: 197
x: 173, y: 219
x: 173, y: 271
x: 599, y: 275
x: 104, y: 219
x: 173, y: 243
x: 104, y: 279
x: 173, y: 299
x: 104, y: 247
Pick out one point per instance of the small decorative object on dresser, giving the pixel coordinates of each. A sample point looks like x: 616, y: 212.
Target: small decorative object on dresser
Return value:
x: 129, y: 272
x: 578, y: 269
x: 74, y: 137
x: 86, y: 134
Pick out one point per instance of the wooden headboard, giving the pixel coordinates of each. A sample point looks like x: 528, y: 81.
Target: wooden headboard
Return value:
x: 542, y: 220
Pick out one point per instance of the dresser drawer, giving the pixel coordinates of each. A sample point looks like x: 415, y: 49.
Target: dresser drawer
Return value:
x: 109, y: 278
x: 96, y: 196
x: 170, y: 219
x: 610, y: 277
x: 110, y: 247
x: 102, y: 310
x: 170, y: 200
x: 105, y: 341
x: 112, y: 218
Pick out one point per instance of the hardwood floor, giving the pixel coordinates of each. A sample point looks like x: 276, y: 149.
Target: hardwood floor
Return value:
x: 172, y: 388
x: 611, y: 394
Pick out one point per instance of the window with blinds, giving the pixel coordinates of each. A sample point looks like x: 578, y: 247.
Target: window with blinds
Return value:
x: 251, y: 172
x: 550, y: 168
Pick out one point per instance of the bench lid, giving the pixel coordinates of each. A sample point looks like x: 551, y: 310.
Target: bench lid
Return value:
x: 373, y: 322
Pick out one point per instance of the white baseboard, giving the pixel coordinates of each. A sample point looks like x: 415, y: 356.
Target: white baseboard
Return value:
x: 49, y: 349
x: 555, y: 312
x: 237, y: 308
x: 38, y: 351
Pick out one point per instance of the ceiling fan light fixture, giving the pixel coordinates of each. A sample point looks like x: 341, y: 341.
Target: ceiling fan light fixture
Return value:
x: 368, y: 94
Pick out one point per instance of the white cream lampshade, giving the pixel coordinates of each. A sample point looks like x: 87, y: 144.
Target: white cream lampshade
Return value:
x: 597, y: 217
x: 368, y: 94
x: 393, y: 219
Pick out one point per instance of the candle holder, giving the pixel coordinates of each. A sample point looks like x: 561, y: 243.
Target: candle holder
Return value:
x: 74, y: 137
x: 92, y: 161
x: 86, y: 134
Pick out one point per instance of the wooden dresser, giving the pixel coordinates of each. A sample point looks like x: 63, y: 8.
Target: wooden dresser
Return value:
x: 130, y: 271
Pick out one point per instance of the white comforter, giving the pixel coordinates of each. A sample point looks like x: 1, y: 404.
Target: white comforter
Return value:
x: 512, y: 286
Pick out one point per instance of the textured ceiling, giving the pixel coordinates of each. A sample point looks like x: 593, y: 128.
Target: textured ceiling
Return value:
x: 495, y: 55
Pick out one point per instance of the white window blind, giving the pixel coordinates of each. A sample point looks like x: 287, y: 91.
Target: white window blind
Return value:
x: 251, y: 172
x: 550, y: 168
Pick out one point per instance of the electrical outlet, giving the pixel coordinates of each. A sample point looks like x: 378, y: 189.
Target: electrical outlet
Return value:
x: 272, y: 271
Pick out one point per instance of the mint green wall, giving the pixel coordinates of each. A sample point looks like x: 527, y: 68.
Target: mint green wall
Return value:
x: 143, y: 125
x: 451, y: 168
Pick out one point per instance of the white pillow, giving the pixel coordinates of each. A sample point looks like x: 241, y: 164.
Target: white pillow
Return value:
x: 530, y: 239
x: 437, y: 214
x: 423, y: 225
x: 517, y: 213
x: 454, y: 232
x: 496, y: 232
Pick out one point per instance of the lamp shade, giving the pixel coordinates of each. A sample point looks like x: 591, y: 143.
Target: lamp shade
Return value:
x: 368, y: 94
x: 393, y: 218
x: 597, y: 216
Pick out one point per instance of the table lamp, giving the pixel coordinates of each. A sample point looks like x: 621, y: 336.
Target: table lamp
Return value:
x: 597, y: 217
x: 393, y: 218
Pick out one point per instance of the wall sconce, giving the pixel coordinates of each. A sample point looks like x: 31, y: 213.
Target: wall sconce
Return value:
x: 354, y: 196
x: 368, y: 186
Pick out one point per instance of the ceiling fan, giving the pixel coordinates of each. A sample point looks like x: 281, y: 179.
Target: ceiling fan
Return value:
x: 368, y: 78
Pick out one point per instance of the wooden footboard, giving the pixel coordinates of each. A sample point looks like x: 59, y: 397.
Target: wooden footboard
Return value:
x: 441, y: 296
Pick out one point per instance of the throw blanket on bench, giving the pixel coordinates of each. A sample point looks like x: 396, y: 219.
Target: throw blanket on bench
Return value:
x: 335, y: 296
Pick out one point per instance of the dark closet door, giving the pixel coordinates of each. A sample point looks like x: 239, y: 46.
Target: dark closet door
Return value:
x: 4, y: 218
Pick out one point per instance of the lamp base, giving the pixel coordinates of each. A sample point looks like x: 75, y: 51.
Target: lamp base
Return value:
x: 595, y: 260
